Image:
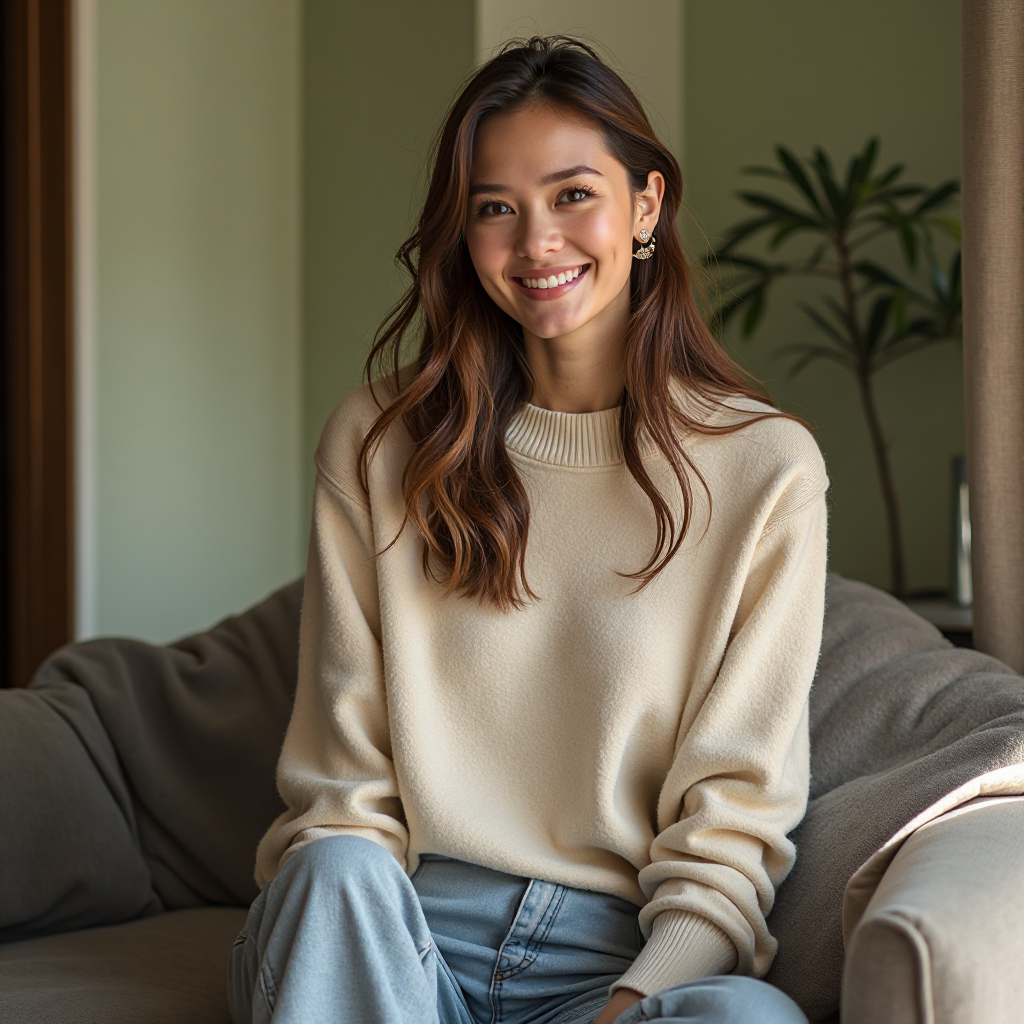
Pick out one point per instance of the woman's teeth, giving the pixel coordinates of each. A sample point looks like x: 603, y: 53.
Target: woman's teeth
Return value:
x: 553, y: 281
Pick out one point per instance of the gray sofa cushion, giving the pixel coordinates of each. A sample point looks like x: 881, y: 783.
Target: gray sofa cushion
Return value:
x: 197, y: 727
x: 135, y: 778
x: 68, y: 855
x: 899, y: 718
x: 168, y: 969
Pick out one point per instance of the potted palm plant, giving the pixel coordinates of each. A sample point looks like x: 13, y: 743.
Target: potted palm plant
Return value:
x: 871, y: 314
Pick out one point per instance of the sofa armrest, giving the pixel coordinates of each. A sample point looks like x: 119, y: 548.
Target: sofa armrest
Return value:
x: 941, y: 941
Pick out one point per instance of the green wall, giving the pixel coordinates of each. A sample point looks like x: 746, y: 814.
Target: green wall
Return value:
x: 257, y: 163
x: 809, y: 72
x: 376, y: 80
x: 650, y: 61
x: 197, y: 353
x: 753, y: 74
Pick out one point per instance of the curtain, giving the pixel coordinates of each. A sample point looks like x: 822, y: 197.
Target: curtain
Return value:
x: 993, y: 281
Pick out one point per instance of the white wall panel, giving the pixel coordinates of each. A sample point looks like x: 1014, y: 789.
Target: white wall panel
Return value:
x: 189, y: 333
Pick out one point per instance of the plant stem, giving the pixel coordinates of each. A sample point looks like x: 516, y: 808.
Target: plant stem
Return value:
x: 880, y: 448
x: 879, y: 445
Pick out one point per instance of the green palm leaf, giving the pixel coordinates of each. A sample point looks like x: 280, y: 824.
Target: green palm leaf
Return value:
x: 936, y: 198
x: 858, y: 172
x: 878, y: 320
x: 811, y: 353
x: 876, y: 274
x: 758, y: 170
x: 777, y: 209
x: 741, y: 232
x: 877, y: 313
x: 825, y: 325
x: 798, y: 177
x: 826, y: 177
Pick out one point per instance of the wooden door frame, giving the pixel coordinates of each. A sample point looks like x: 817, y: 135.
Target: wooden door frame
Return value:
x: 38, y: 450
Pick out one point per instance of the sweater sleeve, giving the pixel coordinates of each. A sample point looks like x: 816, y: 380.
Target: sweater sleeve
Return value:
x: 335, y: 773
x: 739, y: 780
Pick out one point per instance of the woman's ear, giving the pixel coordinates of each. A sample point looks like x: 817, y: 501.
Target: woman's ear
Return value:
x: 648, y: 203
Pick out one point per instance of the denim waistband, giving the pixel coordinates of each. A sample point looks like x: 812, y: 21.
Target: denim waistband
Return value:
x: 494, y: 909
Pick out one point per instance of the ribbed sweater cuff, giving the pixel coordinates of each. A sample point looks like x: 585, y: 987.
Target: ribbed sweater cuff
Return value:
x: 683, y: 947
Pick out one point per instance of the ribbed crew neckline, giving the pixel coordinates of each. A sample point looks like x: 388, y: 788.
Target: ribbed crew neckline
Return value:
x: 582, y: 439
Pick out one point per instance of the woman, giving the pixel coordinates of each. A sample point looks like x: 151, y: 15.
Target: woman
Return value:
x: 562, y: 611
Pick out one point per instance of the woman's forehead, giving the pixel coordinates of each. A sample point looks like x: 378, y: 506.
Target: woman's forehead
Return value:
x: 535, y: 143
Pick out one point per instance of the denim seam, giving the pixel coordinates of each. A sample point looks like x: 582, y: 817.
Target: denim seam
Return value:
x: 531, y: 947
x: 573, y: 1016
x: 494, y: 995
x: 538, y: 937
x: 442, y: 966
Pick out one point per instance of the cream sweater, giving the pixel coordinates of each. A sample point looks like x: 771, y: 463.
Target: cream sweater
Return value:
x: 653, y: 745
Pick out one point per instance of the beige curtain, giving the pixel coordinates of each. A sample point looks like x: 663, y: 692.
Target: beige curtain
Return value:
x: 993, y: 253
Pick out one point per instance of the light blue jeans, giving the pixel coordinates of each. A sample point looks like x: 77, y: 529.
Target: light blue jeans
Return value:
x: 343, y: 935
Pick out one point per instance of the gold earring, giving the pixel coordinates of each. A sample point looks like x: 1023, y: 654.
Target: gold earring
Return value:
x: 646, y: 251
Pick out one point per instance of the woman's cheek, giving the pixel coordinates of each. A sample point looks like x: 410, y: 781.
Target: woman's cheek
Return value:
x: 489, y: 263
x: 493, y: 253
x: 483, y: 257
x: 601, y: 236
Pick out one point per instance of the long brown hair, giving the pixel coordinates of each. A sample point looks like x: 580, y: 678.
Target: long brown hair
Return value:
x: 470, y: 377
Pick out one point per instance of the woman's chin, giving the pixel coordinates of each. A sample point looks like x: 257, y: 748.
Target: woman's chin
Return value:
x: 553, y: 326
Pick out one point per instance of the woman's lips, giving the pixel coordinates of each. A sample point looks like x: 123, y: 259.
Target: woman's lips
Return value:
x: 551, y: 291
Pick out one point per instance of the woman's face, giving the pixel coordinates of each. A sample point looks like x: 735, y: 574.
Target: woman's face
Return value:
x: 552, y: 218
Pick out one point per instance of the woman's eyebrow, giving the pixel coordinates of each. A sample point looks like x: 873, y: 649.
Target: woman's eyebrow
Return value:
x: 548, y: 179
x: 569, y: 172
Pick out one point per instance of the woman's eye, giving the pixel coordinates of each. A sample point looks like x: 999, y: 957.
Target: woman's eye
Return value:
x: 575, y: 195
x: 494, y: 209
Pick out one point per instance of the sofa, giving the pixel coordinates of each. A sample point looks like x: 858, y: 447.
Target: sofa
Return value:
x: 136, y: 781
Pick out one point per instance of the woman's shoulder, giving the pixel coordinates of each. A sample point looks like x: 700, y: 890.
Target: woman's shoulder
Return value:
x: 341, y: 441
x: 753, y: 439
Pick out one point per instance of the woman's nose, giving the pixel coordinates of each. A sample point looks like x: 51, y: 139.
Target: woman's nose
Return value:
x: 538, y: 237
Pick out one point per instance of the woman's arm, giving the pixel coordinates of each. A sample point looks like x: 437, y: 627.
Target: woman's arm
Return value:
x: 622, y: 999
x: 739, y: 780
x: 335, y: 773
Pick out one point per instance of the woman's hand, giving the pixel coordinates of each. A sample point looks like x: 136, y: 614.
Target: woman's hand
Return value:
x: 623, y: 999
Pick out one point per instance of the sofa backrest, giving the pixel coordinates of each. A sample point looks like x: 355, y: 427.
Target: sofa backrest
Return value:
x: 135, y: 777
x: 69, y: 852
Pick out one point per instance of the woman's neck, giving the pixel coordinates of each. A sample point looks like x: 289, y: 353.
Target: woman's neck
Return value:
x: 582, y: 371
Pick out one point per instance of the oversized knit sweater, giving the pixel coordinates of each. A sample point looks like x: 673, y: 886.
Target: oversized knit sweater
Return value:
x: 651, y: 744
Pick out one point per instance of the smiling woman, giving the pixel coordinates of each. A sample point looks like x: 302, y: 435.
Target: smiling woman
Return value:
x: 547, y: 163
x: 566, y: 234
x: 562, y: 611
